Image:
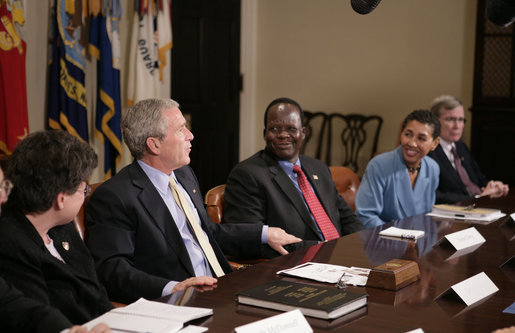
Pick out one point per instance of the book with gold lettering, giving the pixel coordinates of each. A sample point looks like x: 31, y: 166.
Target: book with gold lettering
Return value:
x: 314, y: 301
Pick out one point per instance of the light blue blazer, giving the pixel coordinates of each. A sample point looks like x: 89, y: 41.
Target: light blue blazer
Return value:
x: 385, y: 193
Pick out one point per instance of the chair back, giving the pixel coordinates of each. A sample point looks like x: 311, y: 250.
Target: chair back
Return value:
x: 347, y: 184
x: 214, y: 201
x: 338, y: 139
x: 80, y: 219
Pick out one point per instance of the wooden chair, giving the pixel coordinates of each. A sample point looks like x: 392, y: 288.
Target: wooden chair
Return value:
x: 338, y: 139
x: 80, y: 219
x: 214, y: 201
x: 347, y: 183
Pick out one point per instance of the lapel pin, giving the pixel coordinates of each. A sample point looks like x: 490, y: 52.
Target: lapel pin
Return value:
x: 66, y: 246
x: 315, y: 177
x: 194, y: 191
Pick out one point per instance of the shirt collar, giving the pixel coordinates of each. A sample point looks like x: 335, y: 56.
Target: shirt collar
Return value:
x: 158, y: 178
x: 446, y: 145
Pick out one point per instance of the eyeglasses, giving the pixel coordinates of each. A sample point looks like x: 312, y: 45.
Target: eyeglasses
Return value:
x: 5, y: 187
x: 87, y: 190
x: 455, y: 120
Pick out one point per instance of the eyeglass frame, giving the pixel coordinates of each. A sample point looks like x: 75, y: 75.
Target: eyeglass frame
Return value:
x: 5, y: 187
x: 87, y: 190
x: 455, y: 120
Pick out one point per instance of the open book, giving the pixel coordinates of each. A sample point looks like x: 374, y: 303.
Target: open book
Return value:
x: 149, y: 316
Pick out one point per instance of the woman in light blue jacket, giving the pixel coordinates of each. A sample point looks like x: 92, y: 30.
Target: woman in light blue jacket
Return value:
x: 402, y: 182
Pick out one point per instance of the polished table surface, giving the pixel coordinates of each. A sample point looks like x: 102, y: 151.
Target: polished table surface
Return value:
x: 388, y: 311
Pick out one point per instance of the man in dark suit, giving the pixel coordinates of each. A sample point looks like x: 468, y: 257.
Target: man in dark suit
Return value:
x: 266, y: 189
x: 460, y: 177
x: 147, y: 226
x: 48, y: 281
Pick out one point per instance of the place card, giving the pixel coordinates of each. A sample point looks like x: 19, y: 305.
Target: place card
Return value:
x: 462, y: 239
x: 473, y: 289
x: 288, y: 322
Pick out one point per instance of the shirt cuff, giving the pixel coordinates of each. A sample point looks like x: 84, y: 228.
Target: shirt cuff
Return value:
x: 264, y: 235
x: 167, y: 290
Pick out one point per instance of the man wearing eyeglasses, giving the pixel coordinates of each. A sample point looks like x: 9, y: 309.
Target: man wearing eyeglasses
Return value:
x: 460, y: 177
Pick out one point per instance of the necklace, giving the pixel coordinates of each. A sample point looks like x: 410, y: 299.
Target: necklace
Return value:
x: 413, y: 170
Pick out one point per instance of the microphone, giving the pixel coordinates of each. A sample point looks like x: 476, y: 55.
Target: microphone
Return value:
x: 500, y: 12
x: 364, y: 6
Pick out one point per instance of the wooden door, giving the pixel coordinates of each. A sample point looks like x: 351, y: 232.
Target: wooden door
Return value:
x: 206, y: 82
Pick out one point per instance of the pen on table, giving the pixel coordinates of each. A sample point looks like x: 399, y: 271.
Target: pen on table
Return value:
x: 407, y: 236
x: 341, y: 283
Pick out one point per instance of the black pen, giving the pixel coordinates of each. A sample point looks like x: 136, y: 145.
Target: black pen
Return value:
x: 410, y: 237
x: 341, y: 284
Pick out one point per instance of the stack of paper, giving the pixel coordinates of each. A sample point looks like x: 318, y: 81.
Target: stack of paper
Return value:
x: 150, y: 317
x: 399, y: 233
x: 466, y: 213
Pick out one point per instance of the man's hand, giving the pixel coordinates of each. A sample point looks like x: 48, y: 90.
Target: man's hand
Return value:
x: 495, y: 189
x: 200, y: 283
x: 277, y: 237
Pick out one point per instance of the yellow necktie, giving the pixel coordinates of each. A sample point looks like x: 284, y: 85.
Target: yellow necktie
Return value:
x: 197, y: 229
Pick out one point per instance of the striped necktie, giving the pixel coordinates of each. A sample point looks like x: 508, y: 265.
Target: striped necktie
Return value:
x: 321, y: 218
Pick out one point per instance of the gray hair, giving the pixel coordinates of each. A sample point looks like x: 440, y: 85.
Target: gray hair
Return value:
x: 446, y: 102
x: 143, y: 120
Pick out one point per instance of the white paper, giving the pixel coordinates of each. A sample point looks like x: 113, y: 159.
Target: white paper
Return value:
x: 329, y: 273
x: 288, y: 322
x: 512, y: 216
x: 164, y: 310
x: 417, y: 330
x: 465, y: 238
x: 193, y: 329
x: 119, y: 322
x: 402, y: 233
x: 475, y: 288
x: 488, y: 218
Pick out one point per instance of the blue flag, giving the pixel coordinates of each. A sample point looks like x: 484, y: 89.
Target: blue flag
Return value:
x: 67, y: 108
x: 104, y: 44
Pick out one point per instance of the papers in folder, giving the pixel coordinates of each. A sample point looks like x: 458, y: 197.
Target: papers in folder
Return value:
x: 466, y: 213
x: 399, y: 233
x: 355, y: 276
x: 149, y: 317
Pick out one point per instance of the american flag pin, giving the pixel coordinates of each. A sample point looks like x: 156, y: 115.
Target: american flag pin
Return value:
x: 315, y: 177
x: 66, y: 246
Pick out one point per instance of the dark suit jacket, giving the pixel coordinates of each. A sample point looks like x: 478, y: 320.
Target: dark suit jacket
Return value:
x: 72, y: 288
x: 26, y: 315
x: 137, y: 246
x: 259, y: 191
x: 451, y: 189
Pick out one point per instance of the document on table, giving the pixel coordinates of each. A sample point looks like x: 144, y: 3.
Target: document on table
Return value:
x: 355, y: 276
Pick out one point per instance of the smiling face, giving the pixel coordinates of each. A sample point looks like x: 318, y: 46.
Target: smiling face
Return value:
x: 416, y: 141
x: 284, y: 132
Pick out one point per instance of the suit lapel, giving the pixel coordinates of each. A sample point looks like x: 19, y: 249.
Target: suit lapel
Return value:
x: 286, y: 185
x: 152, y: 202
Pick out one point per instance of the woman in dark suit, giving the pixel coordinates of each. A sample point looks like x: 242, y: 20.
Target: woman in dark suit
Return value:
x: 41, y: 253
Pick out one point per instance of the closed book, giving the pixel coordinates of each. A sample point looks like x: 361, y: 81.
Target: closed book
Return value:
x: 314, y: 301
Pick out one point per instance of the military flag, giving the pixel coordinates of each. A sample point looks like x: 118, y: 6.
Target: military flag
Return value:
x: 14, y: 123
x: 67, y: 109
x: 151, y: 39
x: 105, y: 46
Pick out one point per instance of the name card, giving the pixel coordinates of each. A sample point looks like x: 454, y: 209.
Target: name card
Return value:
x: 463, y: 239
x: 288, y: 322
x: 512, y: 217
x: 473, y: 289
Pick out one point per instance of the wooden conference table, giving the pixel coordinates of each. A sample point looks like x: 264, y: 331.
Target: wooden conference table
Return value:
x: 409, y: 308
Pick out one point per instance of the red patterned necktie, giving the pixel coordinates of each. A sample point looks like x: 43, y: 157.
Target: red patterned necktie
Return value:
x: 321, y: 218
x: 472, y: 188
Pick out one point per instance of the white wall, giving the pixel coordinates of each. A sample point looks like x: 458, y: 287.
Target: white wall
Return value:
x: 389, y: 62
